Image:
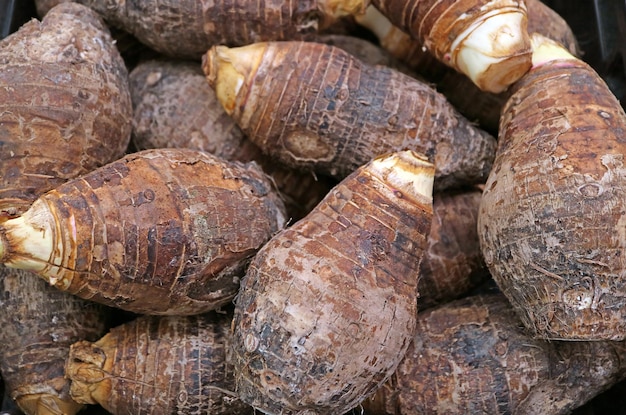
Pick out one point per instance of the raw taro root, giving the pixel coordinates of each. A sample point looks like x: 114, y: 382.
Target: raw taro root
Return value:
x: 159, y: 365
x: 328, y: 306
x: 187, y: 28
x: 163, y: 231
x: 471, y: 101
x: 314, y: 106
x: 551, y: 220
x: 64, y: 104
x: 39, y: 323
x: 453, y: 264
x: 473, y: 355
x: 176, y: 108
x: 483, y: 39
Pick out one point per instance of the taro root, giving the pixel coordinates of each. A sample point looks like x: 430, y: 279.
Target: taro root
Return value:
x: 328, y: 306
x: 483, y: 39
x: 551, y: 220
x: 64, y: 104
x: 159, y: 365
x: 453, y: 264
x: 473, y: 355
x: 163, y: 231
x: 39, y: 323
x: 187, y: 28
x: 176, y: 108
x: 314, y: 106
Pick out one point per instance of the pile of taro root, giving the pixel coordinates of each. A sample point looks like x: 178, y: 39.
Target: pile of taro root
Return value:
x: 307, y: 208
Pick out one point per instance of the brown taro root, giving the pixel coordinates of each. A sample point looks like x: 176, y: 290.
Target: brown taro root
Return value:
x: 327, y: 307
x: 473, y: 356
x: 551, y: 220
x: 453, y: 263
x: 176, y: 108
x: 472, y: 102
x: 159, y: 365
x: 315, y: 106
x: 64, y: 104
x: 187, y: 28
x: 483, y: 39
x: 39, y: 323
x: 164, y: 231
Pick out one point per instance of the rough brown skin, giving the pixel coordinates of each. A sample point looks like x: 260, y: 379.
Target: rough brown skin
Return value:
x: 159, y: 365
x: 551, y: 221
x: 438, y: 24
x: 366, y: 51
x: 473, y: 356
x: 164, y: 231
x: 453, y: 263
x: 188, y: 28
x: 64, y: 104
x: 328, y: 305
x: 175, y: 107
x: 39, y: 323
x: 471, y: 101
x: 314, y: 106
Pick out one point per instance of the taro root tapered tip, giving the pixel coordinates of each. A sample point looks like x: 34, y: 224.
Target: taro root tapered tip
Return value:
x: 409, y: 172
x: 546, y: 50
x: 227, y: 70
x: 495, y: 51
x: 341, y: 8
x: 27, y: 241
x: 47, y: 404
x: 87, y: 367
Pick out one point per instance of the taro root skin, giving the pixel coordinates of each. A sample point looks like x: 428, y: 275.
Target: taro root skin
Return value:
x: 163, y: 231
x: 453, y: 263
x: 316, y: 107
x: 473, y: 355
x: 328, y: 305
x: 551, y: 221
x: 187, y: 28
x: 158, y: 365
x: 65, y: 108
x: 39, y: 323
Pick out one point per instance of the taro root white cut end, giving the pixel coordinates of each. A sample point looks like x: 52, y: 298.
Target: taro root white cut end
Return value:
x: 486, y: 40
x: 494, y: 51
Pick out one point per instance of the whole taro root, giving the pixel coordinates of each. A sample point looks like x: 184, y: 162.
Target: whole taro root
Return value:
x: 327, y: 307
x: 163, y: 231
x: 551, y: 220
x: 159, y: 365
x: 473, y: 355
x: 316, y: 107
x: 65, y: 107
